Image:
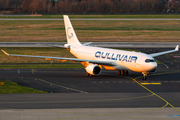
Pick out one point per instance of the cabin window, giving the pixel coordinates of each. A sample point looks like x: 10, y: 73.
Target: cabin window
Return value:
x: 149, y: 60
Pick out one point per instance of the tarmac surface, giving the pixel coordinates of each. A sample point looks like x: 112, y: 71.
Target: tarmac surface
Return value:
x: 118, y: 19
x: 98, y: 44
x: 73, y: 95
x: 105, y: 91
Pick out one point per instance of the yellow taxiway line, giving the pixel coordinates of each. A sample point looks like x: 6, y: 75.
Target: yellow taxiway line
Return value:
x: 151, y: 83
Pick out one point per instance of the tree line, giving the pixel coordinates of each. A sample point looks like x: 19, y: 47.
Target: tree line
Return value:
x: 89, y: 6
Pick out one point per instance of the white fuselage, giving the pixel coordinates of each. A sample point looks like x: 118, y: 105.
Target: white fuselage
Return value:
x: 125, y: 60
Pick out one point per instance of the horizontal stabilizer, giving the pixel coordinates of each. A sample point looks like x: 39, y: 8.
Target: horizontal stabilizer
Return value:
x: 86, y: 44
x: 53, y: 45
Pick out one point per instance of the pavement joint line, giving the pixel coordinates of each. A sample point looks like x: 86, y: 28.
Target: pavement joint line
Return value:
x: 148, y: 83
x: 122, y: 113
x: 83, y: 100
x: 100, y: 115
x: 163, y: 73
x: 111, y: 82
x: 167, y: 103
x: 63, y: 86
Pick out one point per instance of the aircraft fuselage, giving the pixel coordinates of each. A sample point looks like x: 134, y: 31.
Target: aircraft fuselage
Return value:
x: 125, y: 60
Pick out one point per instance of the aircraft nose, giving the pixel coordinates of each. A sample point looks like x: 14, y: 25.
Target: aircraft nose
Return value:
x: 153, y: 67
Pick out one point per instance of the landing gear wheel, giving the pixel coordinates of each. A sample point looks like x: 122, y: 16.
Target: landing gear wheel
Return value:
x: 119, y: 72
x: 87, y: 74
x: 126, y: 73
x: 144, y: 76
x: 122, y: 72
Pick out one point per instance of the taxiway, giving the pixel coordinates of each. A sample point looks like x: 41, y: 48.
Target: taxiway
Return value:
x: 73, y: 90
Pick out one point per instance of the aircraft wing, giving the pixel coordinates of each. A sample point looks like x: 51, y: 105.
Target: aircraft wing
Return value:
x: 109, y: 63
x: 165, y: 52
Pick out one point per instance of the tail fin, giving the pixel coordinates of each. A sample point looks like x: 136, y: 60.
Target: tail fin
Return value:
x: 70, y: 33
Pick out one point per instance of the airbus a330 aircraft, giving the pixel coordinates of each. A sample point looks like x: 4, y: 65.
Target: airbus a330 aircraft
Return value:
x: 94, y: 59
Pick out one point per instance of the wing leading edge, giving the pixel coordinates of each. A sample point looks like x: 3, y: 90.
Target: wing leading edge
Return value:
x: 165, y: 52
x: 109, y: 63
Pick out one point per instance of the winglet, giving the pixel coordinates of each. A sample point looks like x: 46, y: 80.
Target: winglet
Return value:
x: 5, y: 52
x: 177, y: 47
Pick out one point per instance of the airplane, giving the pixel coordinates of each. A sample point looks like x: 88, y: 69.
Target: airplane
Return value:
x: 94, y: 59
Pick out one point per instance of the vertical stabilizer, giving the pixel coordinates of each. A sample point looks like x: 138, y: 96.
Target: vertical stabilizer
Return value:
x: 70, y: 33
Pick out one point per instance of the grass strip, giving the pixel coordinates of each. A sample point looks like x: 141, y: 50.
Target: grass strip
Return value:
x: 12, y: 87
x: 91, y: 31
x: 56, y: 52
x: 40, y: 66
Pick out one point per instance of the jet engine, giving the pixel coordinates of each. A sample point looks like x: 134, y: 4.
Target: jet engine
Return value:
x: 93, y: 69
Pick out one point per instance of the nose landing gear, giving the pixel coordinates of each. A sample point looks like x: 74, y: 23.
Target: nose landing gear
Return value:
x: 144, y: 75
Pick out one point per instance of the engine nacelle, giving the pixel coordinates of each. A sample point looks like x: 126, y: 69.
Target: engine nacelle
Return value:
x: 93, y: 69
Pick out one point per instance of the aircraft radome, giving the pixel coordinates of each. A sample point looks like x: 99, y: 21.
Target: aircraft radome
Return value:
x: 94, y: 59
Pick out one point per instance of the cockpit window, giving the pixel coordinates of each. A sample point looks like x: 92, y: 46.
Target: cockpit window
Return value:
x: 149, y: 60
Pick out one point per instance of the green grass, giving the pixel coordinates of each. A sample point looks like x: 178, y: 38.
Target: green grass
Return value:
x: 56, y: 52
x: 41, y: 66
x: 12, y: 87
x: 158, y: 62
x: 87, y: 31
x: 49, y: 51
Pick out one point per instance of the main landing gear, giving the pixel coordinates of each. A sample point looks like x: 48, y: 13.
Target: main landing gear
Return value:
x: 89, y: 74
x: 144, y: 75
x: 123, y: 72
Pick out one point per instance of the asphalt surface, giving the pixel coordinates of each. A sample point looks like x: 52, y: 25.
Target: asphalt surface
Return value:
x: 131, y: 19
x: 71, y: 88
x: 98, y: 44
